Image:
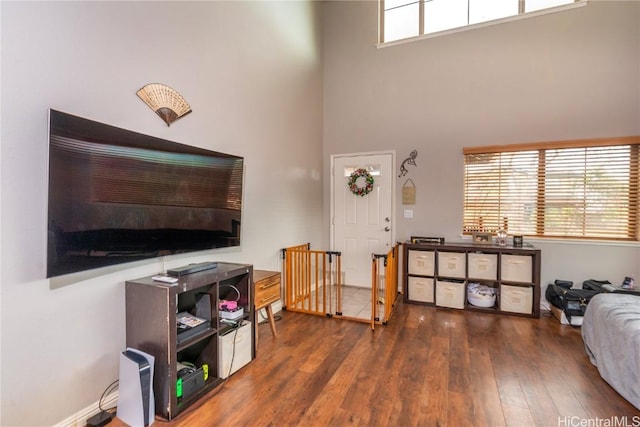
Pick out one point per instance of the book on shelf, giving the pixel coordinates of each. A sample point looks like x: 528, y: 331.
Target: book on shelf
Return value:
x: 189, y: 326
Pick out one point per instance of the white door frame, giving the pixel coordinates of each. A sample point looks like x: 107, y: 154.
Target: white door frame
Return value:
x: 332, y: 195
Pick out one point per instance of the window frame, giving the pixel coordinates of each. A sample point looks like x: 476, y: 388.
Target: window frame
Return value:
x: 422, y: 36
x: 542, y: 202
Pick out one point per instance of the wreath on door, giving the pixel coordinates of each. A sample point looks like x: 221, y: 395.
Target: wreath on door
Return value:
x: 360, y: 190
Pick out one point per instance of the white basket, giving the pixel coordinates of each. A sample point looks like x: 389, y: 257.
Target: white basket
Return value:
x: 481, y: 295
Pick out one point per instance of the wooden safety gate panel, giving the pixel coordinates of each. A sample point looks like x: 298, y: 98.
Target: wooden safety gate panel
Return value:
x: 384, y: 285
x: 312, y: 281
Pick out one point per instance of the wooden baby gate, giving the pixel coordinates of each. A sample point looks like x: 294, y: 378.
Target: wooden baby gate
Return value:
x: 384, y: 285
x: 313, y: 283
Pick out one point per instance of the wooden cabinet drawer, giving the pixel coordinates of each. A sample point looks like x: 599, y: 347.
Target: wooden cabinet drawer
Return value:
x: 267, y: 290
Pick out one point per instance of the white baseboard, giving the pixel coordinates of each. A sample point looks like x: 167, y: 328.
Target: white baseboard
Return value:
x: 79, y: 419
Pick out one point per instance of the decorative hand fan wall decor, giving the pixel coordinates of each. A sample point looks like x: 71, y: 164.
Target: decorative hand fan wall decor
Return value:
x: 165, y: 101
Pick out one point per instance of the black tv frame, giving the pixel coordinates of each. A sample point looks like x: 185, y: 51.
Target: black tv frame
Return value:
x: 118, y: 196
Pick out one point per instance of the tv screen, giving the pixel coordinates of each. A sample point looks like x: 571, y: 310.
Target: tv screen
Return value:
x: 117, y: 196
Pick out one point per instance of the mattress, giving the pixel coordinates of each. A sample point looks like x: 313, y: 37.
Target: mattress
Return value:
x: 611, y: 335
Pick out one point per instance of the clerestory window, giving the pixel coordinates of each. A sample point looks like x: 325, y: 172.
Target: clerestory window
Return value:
x: 402, y: 19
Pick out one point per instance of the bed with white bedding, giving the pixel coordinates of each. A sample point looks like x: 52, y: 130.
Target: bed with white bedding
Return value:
x: 611, y: 334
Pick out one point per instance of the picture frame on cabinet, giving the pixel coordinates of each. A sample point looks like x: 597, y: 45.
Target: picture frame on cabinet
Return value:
x: 482, y: 238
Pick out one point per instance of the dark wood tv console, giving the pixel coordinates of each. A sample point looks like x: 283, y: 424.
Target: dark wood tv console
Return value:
x: 151, y: 315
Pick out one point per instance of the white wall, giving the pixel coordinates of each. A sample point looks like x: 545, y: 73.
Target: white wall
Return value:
x: 568, y: 75
x: 251, y: 72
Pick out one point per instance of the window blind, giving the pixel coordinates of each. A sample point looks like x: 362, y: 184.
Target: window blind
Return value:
x: 566, y: 189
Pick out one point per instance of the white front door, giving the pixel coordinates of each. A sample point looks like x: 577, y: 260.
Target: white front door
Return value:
x: 361, y: 225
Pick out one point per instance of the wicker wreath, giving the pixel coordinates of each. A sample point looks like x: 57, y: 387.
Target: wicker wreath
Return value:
x: 353, y: 182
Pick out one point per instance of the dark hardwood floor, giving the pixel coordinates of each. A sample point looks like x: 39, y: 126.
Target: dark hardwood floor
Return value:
x: 427, y: 367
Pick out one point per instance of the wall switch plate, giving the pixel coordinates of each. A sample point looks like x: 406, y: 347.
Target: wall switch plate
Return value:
x: 408, y: 213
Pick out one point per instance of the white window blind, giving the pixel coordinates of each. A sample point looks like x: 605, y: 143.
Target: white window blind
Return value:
x: 568, y: 189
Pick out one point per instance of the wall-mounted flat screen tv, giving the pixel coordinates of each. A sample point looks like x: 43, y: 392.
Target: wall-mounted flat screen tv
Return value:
x: 117, y: 196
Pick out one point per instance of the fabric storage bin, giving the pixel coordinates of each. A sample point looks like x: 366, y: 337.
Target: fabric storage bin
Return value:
x: 450, y: 294
x: 516, y: 268
x: 234, y: 349
x: 516, y: 299
x: 452, y: 264
x: 420, y: 289
x: 483, y: 266
x: 421, y: 262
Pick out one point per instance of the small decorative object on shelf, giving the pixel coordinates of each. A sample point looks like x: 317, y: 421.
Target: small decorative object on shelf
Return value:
x: 360, y: 190
x: 501, y: 238
x: 431, y: 240
x: 482, y: 238
x: 517, y: 241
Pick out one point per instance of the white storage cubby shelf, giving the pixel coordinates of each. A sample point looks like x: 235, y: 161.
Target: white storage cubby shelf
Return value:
x: 439, y: 275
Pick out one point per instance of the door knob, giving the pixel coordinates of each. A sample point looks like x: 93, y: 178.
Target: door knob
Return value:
x: 387, y: 219
x: 387, y: 229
